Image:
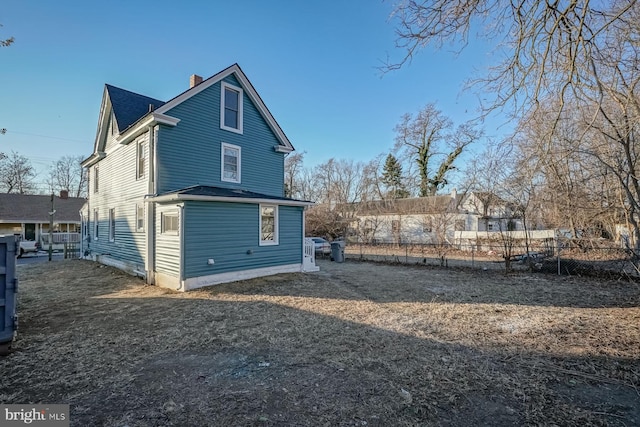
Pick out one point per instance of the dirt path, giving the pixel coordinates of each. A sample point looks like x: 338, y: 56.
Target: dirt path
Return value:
x: 355, y: 344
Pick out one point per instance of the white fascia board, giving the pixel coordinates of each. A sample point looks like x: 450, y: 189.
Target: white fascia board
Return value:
x: 282, y: 149
x: 249, y: 90
x: 191, y: 197
x: 152, y: 119
x: 38, y: 221
x: 196, y: 89
x: 105, y: 106
x: 271, y: 121
x: 93, y: 159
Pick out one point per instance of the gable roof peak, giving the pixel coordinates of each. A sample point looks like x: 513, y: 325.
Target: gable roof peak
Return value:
x: 128, y: 107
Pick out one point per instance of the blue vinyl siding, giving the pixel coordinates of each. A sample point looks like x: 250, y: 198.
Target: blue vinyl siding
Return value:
x: 189, y: 153
x: 227, y: 232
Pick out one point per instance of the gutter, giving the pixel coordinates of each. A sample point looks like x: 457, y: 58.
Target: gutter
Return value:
x: 151, y: 120
x: 183, y: 197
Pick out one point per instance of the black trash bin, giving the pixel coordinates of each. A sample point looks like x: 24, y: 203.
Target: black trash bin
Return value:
x: 337, y: 251
x: 8, y: 289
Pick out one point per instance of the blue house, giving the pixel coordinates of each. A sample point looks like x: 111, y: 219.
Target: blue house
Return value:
x: 190, y: 192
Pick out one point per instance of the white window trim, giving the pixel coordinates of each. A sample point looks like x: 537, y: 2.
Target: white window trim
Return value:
x: 140, y: 173
x: 112, y: 225
x: 138, y: 218
x: 162, y: 223
x: 276, y: 231
x: 95, y: 179
x: 233, y: 147
x: 96, y: 224
x: 224, y: 86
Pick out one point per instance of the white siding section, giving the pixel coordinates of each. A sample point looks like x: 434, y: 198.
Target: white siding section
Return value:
x: 120, y: 190
x: 167, y: 245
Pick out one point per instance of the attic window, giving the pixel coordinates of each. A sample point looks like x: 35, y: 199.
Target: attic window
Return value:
x: 231, y: 108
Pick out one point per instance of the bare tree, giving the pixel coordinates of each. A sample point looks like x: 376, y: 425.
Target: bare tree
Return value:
x: 556, y: 53
x: 16, y: 174
x: 428, y: 138
x: 67, y: 174
x: 548, y: 46
x: 336, y: 185
x: 576, y: 192
x: 293, y: 166
x: 6, y: 42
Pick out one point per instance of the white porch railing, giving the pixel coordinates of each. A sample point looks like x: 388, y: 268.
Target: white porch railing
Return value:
x: 59, y: 238
x: 309, y: 259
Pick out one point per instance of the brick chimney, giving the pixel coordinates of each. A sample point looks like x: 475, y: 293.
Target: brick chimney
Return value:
x: 194, y: 80
x: 64, y: 194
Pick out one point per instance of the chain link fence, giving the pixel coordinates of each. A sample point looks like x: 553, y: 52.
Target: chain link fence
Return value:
x: 555, y: 257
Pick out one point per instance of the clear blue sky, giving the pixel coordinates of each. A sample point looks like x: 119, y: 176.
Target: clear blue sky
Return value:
x: 313, y: 63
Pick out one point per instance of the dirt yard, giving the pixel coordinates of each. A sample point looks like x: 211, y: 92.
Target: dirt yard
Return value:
x: 356, y: 344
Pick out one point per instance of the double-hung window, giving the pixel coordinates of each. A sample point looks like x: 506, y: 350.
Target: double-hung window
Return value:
x: 140, y: 160
x: 170, y: 223
x: 231, y: 108
x: 95, y: 179
x: 268, y: 225
x: 96, y: 224
x: 230, y: 163
x: 112, y: 225
x: 140, y: 217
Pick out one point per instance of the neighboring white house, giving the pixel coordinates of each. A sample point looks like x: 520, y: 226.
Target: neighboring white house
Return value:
x: 431, y: 219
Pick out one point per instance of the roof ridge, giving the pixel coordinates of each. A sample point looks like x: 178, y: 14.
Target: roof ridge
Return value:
x: 132, y: 92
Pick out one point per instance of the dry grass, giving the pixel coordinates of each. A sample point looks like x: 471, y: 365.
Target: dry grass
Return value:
x: 355, y: 344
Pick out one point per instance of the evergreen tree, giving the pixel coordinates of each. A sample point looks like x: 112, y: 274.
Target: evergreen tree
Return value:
x: 392, y: 178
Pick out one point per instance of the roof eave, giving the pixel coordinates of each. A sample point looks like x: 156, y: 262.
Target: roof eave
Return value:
x: 168, y: 198
x: 93, y: 159
x: 138, y: 128
x: 249, y: 90
x: 282, y: 149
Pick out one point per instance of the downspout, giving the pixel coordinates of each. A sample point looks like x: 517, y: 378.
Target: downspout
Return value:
x: 151, y: 209
x: 304, y: 212
x: 81, y: 254
x: 182, y: 249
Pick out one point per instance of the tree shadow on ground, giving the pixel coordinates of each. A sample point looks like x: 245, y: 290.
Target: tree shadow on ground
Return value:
x: 138, y: 355
x: 390, y: 283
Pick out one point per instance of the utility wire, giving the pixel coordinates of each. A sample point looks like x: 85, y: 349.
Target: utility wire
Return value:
x: 5, y: 131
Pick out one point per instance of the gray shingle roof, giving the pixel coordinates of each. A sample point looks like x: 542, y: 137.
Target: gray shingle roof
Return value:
x: 206, y: 190
x: 129, y: 107
x: 36, y: 208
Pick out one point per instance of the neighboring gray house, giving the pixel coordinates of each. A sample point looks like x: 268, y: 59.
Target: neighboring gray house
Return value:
x: 28, y: 215
x: 190, y: 192
x: 431, y: 219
